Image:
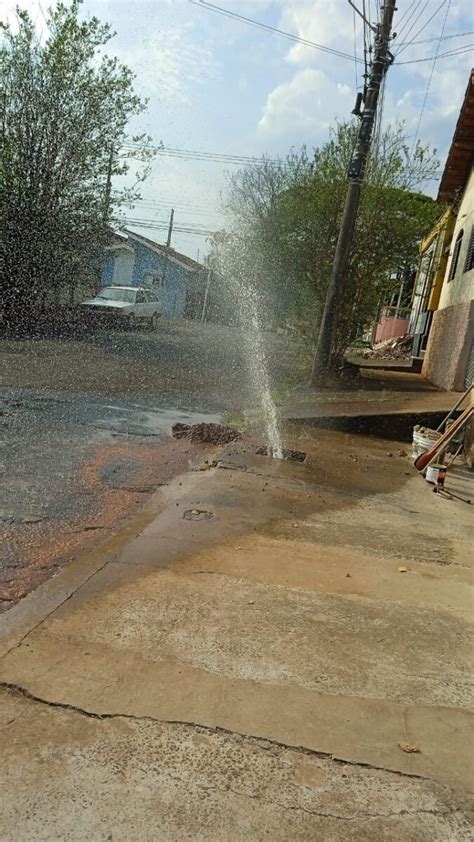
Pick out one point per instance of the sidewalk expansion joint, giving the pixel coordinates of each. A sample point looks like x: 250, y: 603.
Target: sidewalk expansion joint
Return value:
x: 55, y: 608
x: 264, y: 742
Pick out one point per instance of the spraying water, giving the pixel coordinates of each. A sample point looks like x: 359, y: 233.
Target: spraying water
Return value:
x: 258, y: 367
x: 239, y: 274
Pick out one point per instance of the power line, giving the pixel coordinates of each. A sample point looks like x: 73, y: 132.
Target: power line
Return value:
x: 188, y: 211
x: 467, y: 49
x: 188, y: 153
x: 414, y: 3
x: 431, y: 76
x: 355, y: 49
x: 200, y: 155
x: 408, y: 43
x: 203, y: 4
x: 187, y: 228
x: 407, y: 33
x: 366, y: 43
x: 413, y: 7
x: 176, y: 203
x: 379, y: 118
x: 435, y: 38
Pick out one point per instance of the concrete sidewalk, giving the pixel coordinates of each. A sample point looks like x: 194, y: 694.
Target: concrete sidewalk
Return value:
x: 375, y: 393
x: 271, y: 650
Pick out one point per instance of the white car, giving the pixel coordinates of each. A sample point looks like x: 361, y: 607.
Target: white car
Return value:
x: 125, y: 305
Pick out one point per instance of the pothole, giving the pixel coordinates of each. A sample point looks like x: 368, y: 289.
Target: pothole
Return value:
x: 288, y: 455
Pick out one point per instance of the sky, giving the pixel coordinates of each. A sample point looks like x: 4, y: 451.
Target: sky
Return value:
x: 218, y: 85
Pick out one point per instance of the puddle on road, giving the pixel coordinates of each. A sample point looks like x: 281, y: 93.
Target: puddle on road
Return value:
x: 147, y: 422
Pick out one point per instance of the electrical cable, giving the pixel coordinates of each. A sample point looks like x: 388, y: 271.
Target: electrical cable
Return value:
x: 355, y: 50
x: 151, y: 206
x: 196, y: 154
x: 141, y: 223
x: 435, y: 38
x: 203, y: 4
x: 414, y: 3
x: 420, y: 13
x: 366, y: 44
x: 428, y: 86
x: 467, y: 49
x: 413, y: 7
x: 408, y: 43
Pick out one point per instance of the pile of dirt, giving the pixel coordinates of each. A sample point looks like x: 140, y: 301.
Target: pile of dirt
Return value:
x: 208, y: 433
x: 397, y: 348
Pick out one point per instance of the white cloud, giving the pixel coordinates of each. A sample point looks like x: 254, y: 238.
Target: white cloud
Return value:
x: 168, y: 62
x: 326, y: 22
x: 166, y: 55
x: 304, y: 108
x: 331, y: 23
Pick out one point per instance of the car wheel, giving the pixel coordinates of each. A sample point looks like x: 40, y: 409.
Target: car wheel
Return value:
x: 154, y: 321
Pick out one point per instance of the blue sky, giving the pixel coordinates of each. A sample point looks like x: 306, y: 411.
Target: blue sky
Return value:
x: 218, y: 85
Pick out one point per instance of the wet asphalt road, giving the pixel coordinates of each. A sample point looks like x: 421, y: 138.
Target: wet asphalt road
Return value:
x: 86, y: 427
x: 48, y: 435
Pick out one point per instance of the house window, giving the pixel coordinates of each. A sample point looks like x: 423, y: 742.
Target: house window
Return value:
x: 455, y: 257
x: 469, y: 264
x: 154, y: 280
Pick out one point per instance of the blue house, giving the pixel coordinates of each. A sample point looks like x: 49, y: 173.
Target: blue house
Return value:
x: 134, y: 260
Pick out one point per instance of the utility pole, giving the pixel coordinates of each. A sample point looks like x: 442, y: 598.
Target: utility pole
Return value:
x: 108, y: 186
x: 206, y: 295
x: 168, y: 245
x: 382, y: 59
x: 170, y: 228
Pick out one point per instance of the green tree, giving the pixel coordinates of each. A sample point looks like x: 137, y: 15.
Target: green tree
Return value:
x: 65, y: 110
x: 288, y: 214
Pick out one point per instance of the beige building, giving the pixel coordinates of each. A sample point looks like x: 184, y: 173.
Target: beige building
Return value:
x: 449, y: 357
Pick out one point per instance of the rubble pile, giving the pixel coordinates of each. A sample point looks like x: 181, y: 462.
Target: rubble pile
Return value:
x: 396, y: 348
x: 209, y: 433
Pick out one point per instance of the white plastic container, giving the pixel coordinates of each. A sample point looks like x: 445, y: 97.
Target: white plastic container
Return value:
x: 435, y: 474
x: 423, y: 439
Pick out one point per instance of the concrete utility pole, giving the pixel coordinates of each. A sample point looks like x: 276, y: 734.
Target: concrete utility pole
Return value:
x: 170, y: 228
x: 381, y: 61
x: 206, y: 295
x: 108, y: 185
x: 168, y: 244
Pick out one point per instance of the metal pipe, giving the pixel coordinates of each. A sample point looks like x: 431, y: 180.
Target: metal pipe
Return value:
x: 455, y: 407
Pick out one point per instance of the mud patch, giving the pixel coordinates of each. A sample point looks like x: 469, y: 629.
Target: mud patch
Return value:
x: 207, y: 433
x: 289, y: 455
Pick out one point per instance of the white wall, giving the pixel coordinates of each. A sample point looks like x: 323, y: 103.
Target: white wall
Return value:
x: 460, y: 289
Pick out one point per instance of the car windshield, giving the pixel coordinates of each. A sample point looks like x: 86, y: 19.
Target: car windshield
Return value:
x: 115, y: 294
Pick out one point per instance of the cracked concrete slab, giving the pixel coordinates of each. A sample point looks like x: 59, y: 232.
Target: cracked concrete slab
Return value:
x: 72, y: 777
x: 261, y: 633
x: 286, y: 619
